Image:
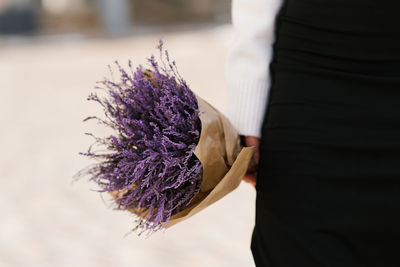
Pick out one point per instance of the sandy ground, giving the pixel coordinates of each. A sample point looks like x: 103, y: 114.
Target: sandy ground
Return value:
x: 46, y: 220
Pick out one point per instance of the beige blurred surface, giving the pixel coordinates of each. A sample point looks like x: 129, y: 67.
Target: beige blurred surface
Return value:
x: 49, y: 221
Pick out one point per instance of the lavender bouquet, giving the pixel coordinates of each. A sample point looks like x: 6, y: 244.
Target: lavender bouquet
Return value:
x: 172, y: 154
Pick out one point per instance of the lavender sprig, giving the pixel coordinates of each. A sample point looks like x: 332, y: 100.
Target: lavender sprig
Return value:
x: 150, y: 159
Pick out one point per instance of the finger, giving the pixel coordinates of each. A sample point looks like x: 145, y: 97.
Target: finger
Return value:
x: 250, y: 178
x: 252, y: 182
x: 254, y: 141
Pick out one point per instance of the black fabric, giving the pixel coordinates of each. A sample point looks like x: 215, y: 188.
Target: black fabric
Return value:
x: 328, y: 185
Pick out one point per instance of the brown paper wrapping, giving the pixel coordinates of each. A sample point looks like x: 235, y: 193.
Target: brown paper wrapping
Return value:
x: 223, y: 159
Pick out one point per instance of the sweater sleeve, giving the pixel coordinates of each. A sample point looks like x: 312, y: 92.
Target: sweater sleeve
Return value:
x: 247, y: 63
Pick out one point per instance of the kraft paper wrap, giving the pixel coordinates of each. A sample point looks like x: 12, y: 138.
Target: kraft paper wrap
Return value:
x: 224, y: 162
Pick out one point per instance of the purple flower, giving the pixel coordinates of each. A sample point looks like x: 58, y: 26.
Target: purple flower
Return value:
x: 150, y: 159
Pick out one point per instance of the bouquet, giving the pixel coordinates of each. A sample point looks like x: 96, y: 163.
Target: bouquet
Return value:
x: 172, y: 154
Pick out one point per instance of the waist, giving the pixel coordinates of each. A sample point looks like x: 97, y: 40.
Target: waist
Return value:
x: 334, y: 34
x: 350, y: 16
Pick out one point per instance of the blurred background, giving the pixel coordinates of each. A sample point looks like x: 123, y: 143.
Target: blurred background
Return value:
x: 51, y: 54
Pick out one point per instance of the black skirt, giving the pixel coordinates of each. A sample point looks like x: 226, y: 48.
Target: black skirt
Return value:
x: 328, y: 185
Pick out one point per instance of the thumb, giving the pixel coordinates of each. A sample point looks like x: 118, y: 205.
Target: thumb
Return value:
x: 253, y: 141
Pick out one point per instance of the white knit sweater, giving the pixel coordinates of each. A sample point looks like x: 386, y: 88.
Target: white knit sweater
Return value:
x: 247, y: 63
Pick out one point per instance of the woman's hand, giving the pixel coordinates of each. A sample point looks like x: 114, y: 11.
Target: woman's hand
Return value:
x: 251, y: 177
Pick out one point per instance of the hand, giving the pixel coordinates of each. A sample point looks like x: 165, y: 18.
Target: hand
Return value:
x: 251, y: 177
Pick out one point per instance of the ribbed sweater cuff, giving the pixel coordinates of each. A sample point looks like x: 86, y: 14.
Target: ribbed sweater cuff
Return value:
x: 247, y: 101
